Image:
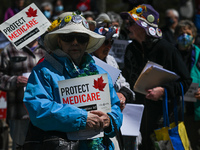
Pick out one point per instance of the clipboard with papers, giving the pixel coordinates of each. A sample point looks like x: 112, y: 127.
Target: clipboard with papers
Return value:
x: 153, y: 75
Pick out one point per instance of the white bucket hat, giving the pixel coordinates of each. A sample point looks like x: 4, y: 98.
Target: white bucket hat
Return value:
x: 73, y: 23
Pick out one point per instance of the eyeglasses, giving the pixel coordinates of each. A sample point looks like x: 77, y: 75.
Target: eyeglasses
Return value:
x: 107, y: 42
x: 81, y: 38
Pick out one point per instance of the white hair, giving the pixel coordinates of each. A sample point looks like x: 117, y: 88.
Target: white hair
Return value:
x: 174, y: 11
x: 44, y: 4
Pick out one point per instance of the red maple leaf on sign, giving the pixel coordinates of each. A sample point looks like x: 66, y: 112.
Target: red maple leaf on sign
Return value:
x: 98, y: 84
x: 31, y: 12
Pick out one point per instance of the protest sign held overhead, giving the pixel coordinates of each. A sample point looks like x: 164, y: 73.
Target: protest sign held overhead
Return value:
x: 25, y: 26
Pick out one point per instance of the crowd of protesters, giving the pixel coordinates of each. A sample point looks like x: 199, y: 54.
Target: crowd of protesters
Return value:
x: 35, y: 112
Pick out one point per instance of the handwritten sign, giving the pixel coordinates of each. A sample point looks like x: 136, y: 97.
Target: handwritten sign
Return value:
x: 25, y: 26
x: 3, y: 105
x: 89, y: 93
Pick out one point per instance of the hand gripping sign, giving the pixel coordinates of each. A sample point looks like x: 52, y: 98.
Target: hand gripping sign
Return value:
x: 89, y: 93
x: 25, y: 26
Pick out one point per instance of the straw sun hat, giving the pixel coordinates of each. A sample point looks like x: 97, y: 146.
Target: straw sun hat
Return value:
x: 73, y: 23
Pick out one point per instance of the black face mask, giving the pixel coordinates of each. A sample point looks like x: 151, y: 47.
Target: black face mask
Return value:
x: 169, y: 21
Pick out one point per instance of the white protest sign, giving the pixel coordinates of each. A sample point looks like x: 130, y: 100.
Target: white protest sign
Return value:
x: 189, y: 95
x: 89, y: 93
x: 25, y: 26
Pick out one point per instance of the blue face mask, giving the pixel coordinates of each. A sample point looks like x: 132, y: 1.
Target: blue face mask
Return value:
x: 59, y: 8
x: 185, y: 40
x: 47, y: 14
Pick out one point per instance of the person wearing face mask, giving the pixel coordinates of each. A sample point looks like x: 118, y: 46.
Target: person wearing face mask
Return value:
x: 171, y: 21
x: 58, y: 8
x: 47, y: 9
x: 185, y: 34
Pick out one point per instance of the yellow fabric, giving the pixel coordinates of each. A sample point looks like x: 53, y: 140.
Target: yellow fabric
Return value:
x: 162, y: 134
x: 183, y: 135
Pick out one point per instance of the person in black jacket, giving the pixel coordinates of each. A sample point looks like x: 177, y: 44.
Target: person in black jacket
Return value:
x: 148, y: 45
x: 171, y: 21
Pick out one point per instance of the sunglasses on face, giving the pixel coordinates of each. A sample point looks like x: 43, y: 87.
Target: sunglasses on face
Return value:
x: 108, y: 42
x: 81, y: 38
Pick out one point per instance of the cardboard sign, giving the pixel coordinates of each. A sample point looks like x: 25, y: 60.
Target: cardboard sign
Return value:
x: 25, y: 26
x: 3, y: 105
x: 89, y: 93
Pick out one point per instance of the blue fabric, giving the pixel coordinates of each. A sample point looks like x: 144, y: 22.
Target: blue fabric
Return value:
x: 197, y: 22
x: 165, y: 112
x: 173, y: 132
x: 42, y: 101
x: 175, y: 139
x: 193, y: 54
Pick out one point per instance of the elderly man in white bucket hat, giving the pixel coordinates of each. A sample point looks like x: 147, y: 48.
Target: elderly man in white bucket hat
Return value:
x: 69, y: 44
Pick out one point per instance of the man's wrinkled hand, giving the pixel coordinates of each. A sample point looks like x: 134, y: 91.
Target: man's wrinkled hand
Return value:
x: 155, y: 94
x: 122, y: 99
x: 104, y: 118
x: 93, y: 121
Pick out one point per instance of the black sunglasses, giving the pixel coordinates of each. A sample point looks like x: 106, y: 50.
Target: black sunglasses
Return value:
x: 106, y: 42
x: 81, y: 38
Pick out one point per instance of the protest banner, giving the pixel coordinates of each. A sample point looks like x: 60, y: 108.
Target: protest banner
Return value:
x: 25, y: 26
x: 89, y: 93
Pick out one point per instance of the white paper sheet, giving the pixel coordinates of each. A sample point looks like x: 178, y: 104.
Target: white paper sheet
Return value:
x: 27, y: 74
x: 132, y: 115
x: 189, y: 95
x: 113, y: 72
